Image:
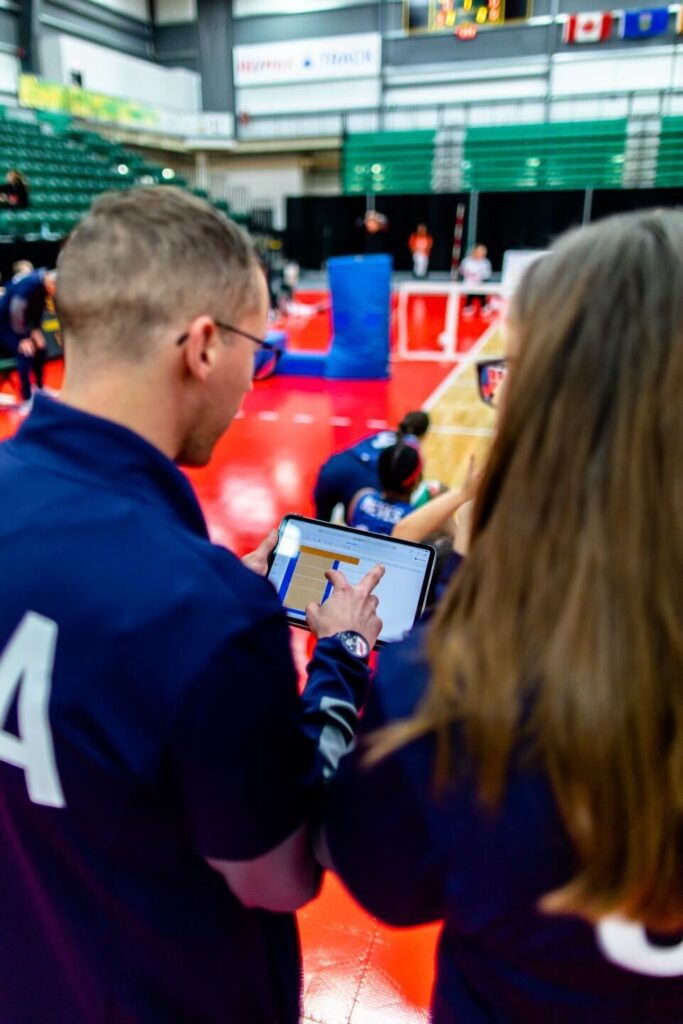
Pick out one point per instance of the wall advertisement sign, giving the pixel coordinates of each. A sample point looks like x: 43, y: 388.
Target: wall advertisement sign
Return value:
x: 308, y: 60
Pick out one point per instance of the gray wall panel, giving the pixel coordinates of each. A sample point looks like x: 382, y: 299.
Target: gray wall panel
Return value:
x: 215, y: 43
x: 503, y: 43
x: 8, y: 28
x: 98, y: 25
x: 393, y: 17
x: 308, y: 26
x: 178, y: 45
x: 102, y: 36
x: 28, y: 32
x: 98, y: 15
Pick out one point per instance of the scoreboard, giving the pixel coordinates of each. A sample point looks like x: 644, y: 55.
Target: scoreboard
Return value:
x: 448, y: 15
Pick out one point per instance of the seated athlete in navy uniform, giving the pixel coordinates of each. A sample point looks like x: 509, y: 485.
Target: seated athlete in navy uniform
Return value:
x: 348, y: 471
x: 21, y: 313
x: 379, y: 509
x: 520, y: 776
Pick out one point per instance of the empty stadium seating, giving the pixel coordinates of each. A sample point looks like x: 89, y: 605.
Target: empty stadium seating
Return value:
x: 66, y: 169
x: 639, y: 151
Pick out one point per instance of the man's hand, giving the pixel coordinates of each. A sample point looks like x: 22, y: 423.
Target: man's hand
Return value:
x: 348, y: 607
x: 38, y: 338
x: 26, y: 347
x: 257, y: 560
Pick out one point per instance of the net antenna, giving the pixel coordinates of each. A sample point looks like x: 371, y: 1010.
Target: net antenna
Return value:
x: 456, y: 252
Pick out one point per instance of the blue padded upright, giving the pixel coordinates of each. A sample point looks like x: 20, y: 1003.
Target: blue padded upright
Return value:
x: 302, y: 364
x: 361, y: 298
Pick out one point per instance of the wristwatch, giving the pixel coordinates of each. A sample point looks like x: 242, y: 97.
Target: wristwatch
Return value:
x: 355, y: 643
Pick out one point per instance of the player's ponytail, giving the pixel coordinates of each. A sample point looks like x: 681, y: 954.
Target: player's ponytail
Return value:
x: 414, y: 423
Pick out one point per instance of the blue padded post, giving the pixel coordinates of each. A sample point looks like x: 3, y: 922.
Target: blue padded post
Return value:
x: 302, y: 364
x: 361, y: 298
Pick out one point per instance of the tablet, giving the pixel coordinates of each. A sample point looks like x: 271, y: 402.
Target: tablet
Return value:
x: 307, y: 548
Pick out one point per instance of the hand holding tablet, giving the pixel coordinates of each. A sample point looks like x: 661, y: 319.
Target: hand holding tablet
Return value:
x: 309, y: 556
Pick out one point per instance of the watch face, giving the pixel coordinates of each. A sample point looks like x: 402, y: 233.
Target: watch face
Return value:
x: 355, y: 644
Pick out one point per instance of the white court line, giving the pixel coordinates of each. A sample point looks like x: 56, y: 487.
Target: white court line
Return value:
x: 468, y: 431
x: 376, y: 424
x: 269, y: 415
x: 340, y: 421
x: 460, y: 369
x: 461, y: 399
x: 303, y: 417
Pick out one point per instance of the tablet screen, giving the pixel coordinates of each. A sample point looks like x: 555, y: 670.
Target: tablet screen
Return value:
x: 307, y: 548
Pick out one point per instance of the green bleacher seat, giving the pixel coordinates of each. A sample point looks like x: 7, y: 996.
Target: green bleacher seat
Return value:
x: 66, y: 170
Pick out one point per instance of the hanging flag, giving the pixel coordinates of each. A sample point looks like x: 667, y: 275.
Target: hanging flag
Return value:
x: 588, y: 28
x: 640, y: 24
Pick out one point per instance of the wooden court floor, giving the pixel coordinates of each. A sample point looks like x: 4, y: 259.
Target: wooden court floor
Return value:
x: 462, y: 425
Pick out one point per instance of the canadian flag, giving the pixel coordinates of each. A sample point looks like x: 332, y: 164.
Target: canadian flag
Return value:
x: 587, y: 28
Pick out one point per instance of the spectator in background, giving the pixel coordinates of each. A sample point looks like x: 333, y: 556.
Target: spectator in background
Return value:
x: 377, y: 510
x: 21, y: 268
x: 475, y: 269
x: 375, y: 228
x: 420, y: 244
x: 21, y: 314
x: 349, y: 471
x: 15, y: 191
x: 521, y: 774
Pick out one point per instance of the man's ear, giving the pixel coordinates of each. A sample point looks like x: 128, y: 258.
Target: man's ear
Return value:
x: 201, y: 347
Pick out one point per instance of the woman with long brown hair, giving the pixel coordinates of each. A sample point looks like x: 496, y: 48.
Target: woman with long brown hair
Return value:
x: 523, y: 776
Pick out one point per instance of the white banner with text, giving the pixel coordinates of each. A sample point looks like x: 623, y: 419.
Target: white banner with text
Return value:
x: 308, y: 60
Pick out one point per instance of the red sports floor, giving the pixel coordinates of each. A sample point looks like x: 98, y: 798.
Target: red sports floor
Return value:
x: 355, y: 971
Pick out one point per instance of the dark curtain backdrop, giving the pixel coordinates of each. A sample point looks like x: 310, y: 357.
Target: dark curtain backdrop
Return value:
x: 436, y: 211
x: 612, y: 201
x: 322, y: 226
x: 525, y: 220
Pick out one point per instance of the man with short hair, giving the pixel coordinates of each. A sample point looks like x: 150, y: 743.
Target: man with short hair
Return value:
x: 21, y: 268
x: 157, y: 765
